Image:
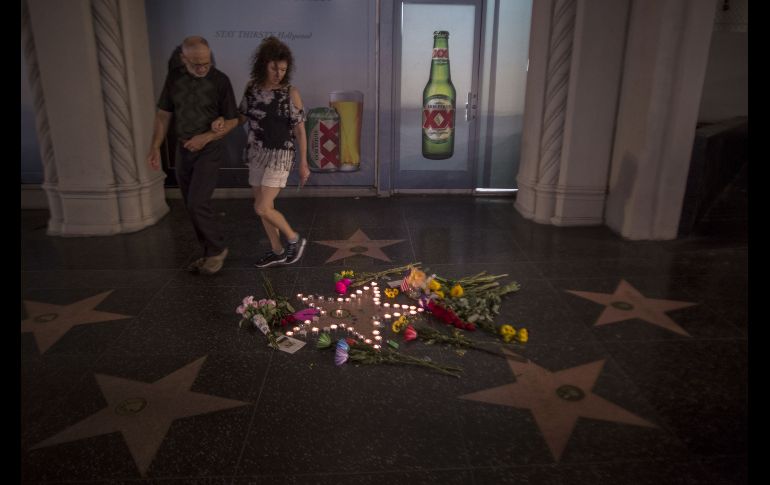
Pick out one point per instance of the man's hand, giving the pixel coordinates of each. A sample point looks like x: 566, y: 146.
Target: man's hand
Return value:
x: 197, y: 142
x: 218, y: 125
x: 153, y: 158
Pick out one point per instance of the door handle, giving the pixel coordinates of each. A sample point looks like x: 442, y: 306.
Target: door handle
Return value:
x: 470, y: 107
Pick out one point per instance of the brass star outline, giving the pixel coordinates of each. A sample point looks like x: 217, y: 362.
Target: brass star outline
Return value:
x: 556, y: 399
x: 359, y: 244
x: 49, y: 322
x: 627, y: 303
x: 143, y: 412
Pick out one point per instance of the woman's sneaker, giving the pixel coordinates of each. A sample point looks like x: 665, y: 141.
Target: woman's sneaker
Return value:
x: 294, y: 251
x: 270, y: 259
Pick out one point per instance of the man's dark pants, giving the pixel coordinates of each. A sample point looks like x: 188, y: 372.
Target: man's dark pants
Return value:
x: 196, y: 173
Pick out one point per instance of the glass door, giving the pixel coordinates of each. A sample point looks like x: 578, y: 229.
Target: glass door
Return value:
x: 436, y: 98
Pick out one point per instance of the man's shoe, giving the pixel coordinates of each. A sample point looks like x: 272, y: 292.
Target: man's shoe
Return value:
x: 294, y: 251
x: 195, y: 266
x: 213, y: 264
x: 270, y: 259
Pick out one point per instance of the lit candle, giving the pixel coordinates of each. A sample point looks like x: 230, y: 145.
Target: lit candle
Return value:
x: 359, y: 292
x: 339, y: 300
x: 310, y: 297
x: 396, y: 305
x: 377, y: 303
x: 374, y: 283
x: 366, y: 288
x: 351, y: 330
x: 289, y: 333
x: 375, y: 332
x: 412, y: 307
x: 387, y: 316
x: 307, y: 322
x: 334, y: 327
x: 315, y: 318
x: 377, y: 323
x: 299, y: 296
x: 323, y: 313
x: 315, y: 331
x: 311, y: 304
x: 378, y: 339
x: 368, y: 341
x: 420, y: 310
x: 376, y: 347
x: 296, y: 329
x: 386, y: 305
x: 412, y: 312
x: 396, y: 315
x: 327, y: 329
x: 304, y: 299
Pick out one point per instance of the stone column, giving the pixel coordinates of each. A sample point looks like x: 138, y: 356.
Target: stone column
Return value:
x: 575, y: 67
x: 666, y: 57
x: 89, y: 70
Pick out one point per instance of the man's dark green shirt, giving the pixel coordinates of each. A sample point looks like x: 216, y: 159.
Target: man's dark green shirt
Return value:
x: 197, y: 101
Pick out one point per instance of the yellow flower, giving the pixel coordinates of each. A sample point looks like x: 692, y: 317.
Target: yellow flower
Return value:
x: 507, y: 332
x: 399, y: 324
x: 522, y: 335
x: 391, y: 292
x: 457, y: 291
x: 347, y: 273
x: 440, y: 294
x: 434, y: 285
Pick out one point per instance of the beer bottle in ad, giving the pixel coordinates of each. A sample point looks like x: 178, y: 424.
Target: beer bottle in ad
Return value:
x: 438, y: 103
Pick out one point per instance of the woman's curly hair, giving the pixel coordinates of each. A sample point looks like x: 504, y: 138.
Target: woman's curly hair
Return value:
x: 269, y: 50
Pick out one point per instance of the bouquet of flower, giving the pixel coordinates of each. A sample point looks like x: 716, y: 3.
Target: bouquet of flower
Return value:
x: 266, y: 313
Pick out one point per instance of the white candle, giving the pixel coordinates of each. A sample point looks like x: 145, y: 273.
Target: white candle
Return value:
x: 368, y: 341
x: 387, y: 316
x: 299, y: 296
x: 375, y: 332
x: 412, y: 312
x: 377, y: 323
x: 396, y: 305
x: 339, y: 300
x: 296, y: 329
x: 342, y: 326
x: 289, y: 333
x: 314, y: 330
x: 307, y: 322
x: 310, y: 297
x: 378, y: 339
x: 386, y: 305
x: 376, y: 347
x: 347, y: 300
x: 374, y: 283
x: 412, y: 307
x: 334, y: 327
x: 359, y: 292
x: 311, y: 304
x: 326, y: 329
x: 396, y: 315
x: 304, y: 299
x: 366, y: 288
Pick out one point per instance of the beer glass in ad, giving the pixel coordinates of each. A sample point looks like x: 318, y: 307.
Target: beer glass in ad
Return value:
x: 350, y: 106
